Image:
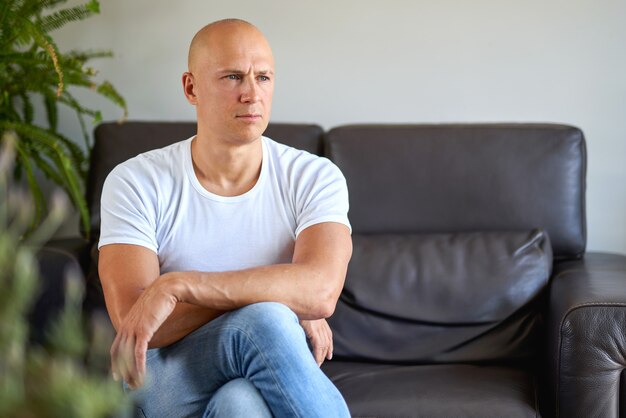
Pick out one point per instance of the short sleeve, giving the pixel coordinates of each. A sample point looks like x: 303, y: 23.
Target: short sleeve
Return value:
x: 322, y: 196
x: 128, y: 210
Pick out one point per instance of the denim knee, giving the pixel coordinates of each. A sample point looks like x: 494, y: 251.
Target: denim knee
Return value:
x: 266, y: 317
x: 237, y: 398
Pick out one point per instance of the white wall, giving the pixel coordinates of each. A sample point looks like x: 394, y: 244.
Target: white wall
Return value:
x: 415, y: 61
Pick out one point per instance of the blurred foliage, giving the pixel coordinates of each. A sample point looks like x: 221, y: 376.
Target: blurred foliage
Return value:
x: 63, y: 377
x: 33, y: 68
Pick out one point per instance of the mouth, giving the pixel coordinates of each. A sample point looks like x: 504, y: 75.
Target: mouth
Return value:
x: 250, y: 117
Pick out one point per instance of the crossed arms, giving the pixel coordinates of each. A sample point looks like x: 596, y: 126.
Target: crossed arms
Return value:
x: 152, y: 310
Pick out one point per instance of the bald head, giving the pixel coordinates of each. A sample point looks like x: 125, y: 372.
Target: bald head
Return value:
x: 222, y: 34
x: 230, y: 81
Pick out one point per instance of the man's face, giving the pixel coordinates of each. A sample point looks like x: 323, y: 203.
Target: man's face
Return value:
x: 232, y: 76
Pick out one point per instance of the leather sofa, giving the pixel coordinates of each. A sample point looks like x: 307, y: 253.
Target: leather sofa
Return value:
x: 469, y: 293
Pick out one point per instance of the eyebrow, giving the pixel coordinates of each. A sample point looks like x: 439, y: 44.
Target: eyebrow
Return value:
x: 234, y: 71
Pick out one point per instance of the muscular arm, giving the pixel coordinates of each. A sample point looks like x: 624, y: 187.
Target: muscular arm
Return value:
x: 159, y: 310
x: 125, y: 272
x: 310, y: 285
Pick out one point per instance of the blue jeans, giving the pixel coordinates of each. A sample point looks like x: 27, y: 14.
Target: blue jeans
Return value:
x: 251, y: 362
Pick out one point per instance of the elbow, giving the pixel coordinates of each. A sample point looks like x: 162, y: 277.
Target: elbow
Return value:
x: 318, y: 310
x: 323, y: 288
x: 327, y: 309
x: 326, y: 302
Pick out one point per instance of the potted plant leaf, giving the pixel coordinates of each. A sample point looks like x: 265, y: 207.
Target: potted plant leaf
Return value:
x: 32, y: 68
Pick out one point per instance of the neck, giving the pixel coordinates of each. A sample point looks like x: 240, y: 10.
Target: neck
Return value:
x: 226, y: 169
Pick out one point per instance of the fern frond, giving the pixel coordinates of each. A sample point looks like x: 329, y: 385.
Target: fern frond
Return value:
x: 52, y: 114
x: 4, y: 12
x: 43, y: 139
x: 28, y: 8
x: 31, y: 62
x: 22, y: 8
x: 83, y: 127
x: 7, y: 112
x: 52, y: 146
x: 69, y: 100
x: 75, y: 191
x: 46, y: 43
x: 46, y: 4
x: 23, y: 159
x: 46, y: 168
x: 60, y: 18
x: 50, y: 48
x: 94, y: 6
x: 77, y: 156
x: 28, y: 111
x: 107, y: 90
x: 84, y: 56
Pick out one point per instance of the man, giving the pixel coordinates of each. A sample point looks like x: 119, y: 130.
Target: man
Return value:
x: 220, y: 254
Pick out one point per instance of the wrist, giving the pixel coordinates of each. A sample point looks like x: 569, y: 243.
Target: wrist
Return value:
x: 174, y: 284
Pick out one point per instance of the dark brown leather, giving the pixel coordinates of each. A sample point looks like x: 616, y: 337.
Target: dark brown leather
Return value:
x: 56, y: 265
x: 442, y: 297
x: 378, y: 390
x: 458, y: 178
x: 587, y: 330
x: 115, y: 143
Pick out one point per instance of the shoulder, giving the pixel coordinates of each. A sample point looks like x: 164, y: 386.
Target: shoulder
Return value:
x: 314, y: 186
x: 148, y: 176
x: 156, y: 164
x: 299, y: 165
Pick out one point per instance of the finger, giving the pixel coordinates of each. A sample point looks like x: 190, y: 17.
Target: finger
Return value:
x: 331, y: 347
x: 115, y: 369
x: 323, y: 337
x: 320, y: 353
x: 120, y: 360
x: 127, y: 360
x: 141, y: 346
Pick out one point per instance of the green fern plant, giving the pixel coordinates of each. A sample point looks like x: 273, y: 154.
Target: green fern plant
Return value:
x: 33, y: 68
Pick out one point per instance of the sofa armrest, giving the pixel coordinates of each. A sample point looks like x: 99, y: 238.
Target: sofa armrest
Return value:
x: 586, y: 336
x: 55, y: 264
x: 77, y: 247
x: 86, y: 253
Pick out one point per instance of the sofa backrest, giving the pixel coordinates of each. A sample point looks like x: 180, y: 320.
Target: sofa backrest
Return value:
x: 451, y: 230
x: 117, y: 142
x: 464, y: 178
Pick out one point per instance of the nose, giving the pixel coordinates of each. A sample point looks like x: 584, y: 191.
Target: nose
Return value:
x: 250, y: 90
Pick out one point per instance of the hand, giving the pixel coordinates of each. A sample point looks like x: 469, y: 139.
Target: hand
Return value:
x: 321, y: 337
x: 128, y: 352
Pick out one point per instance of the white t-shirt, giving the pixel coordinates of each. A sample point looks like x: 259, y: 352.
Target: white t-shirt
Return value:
x: 155, y: 200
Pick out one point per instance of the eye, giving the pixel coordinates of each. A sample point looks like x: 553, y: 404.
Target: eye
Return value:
x: 233, y: 77
x: 264, y: 78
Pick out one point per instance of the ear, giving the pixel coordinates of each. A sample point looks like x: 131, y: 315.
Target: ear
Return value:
x: 188, y: 88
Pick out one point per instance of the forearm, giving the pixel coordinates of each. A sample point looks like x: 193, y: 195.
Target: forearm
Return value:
x: 152, y: 310
x: 310, y: 292
x: 170, y: 306
x: 185, y: 319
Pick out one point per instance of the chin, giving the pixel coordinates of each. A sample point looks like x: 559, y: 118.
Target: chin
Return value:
x: 252, y: 132
x: 244, y: 136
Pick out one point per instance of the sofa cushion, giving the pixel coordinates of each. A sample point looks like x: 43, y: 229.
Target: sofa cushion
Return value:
x: 461, y: 178
x: 378, y: 390
x: 442, y: 297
